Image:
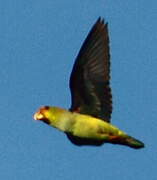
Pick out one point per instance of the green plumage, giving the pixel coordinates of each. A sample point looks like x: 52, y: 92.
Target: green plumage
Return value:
x: 88, y: 120
x: 85, y: 126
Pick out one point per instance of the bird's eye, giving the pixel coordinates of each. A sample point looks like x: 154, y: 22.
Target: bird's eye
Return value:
x: 46, y: 107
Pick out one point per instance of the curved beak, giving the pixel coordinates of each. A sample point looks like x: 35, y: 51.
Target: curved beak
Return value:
x: 38, y: 116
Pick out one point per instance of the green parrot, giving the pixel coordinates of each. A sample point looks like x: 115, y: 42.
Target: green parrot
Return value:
x: 87, y: 122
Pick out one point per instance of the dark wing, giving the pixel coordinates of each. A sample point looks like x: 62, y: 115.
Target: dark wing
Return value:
x: 89, y: 81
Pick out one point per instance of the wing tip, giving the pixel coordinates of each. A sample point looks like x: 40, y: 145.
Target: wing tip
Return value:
x: 102, y: 21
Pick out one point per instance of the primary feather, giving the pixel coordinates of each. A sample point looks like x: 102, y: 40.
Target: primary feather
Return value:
x: 89, y: 81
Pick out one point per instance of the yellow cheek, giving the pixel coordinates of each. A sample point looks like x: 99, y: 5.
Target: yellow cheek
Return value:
x: 49, y: 115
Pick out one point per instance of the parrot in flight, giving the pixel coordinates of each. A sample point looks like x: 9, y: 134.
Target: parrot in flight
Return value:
x: 87, y: 122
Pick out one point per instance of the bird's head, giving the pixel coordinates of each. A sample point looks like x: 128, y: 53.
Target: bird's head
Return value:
x: 50, y: 115
x: 43, y: 114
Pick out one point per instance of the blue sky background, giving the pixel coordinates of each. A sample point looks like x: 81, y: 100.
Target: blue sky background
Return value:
x: 39, y: 41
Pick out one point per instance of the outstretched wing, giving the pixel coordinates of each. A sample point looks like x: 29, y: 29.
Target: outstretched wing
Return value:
x: 89, y: 81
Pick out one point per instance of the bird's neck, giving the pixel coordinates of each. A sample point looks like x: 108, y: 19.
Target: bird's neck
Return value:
x: 63, y: 120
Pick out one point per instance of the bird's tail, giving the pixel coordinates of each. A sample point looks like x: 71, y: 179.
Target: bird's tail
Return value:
x: 128, y: 141
x: 134, y: 143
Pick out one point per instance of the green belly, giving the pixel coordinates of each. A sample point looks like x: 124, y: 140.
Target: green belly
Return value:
x: 89, y: 127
